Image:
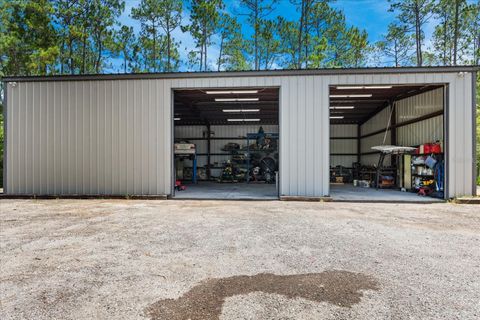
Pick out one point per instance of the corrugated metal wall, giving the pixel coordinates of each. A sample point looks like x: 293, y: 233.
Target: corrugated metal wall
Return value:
x: 104, y: 137
x: 407, y: 109
x: 346, y: 147
x: 89, y: 137
x: 429, y: 130
x: 377, y: 122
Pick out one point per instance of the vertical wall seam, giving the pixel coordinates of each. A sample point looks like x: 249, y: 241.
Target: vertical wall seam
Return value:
x: 6, y: 142
x: 474, y: 133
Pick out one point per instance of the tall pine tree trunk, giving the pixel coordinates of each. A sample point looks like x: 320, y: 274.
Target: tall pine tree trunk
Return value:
x: 300, y: 34
x: 154, y: 51
x: 219, y: 61
x: 256, y: 31
x: 169, y: 54
x: 418, y: 35
x: 455, y: 31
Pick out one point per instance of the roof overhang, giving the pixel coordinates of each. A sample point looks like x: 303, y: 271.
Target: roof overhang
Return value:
x: 225, y: 74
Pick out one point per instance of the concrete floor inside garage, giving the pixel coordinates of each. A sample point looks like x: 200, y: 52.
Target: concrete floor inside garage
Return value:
x: 229, y: 191
x: 347, y: 192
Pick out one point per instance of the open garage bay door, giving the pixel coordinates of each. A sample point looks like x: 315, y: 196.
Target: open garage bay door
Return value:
x: 366, y: 119
x: 226, y: 143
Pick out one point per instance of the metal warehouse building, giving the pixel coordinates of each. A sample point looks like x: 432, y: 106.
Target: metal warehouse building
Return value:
x: 253, y: 134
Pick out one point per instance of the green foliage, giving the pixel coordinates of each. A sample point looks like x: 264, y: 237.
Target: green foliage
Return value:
x: 127, y: 46
x: 232, y: 47
x: 158, y: 51
x: 27, y: 37
x: 257, y: 12
x: 86, y: 33
x: 397, y: 46
x: 450, y: 39
x: 321, y: 39
x: 204, y: 23
x: 413, y: 15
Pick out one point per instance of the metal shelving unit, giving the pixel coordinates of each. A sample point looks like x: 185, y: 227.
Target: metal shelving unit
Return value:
x: 256, y: 136
x: 421, y: 176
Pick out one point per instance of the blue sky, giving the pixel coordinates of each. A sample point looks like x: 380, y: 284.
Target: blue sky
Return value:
x: 371, y: 15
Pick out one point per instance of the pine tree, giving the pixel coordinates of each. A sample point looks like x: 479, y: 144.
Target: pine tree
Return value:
x: 27, y: 38
x: 126, y: 46
x: 451, y: 39
x: 104, y: 18
x: 231, y: 45
x: 154, y: 15
x: 414, y: 15
x: 257, y: 12
x: 472, y: 36
x: 397, y: 46
x: 204, y: 22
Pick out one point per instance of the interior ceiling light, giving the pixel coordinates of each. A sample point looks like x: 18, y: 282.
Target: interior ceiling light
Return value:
x: 235, y: 99
x: 342, y: 107
x: 241, y: 110
x: 363, y: 87
x: 177, y: 119
x: 367, y: 95
x: 243, y: 120
x: 337, y: 117
x: 232, y: 92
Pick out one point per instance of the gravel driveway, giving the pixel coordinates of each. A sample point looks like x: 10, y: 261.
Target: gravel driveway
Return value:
x: 116, y: 259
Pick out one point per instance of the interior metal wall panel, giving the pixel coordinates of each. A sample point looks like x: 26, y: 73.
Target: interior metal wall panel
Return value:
x: 377, y: 122
x: 430, y: 130
x: 115, y: 136
x: 343, y: 146
x: 343, y: 130
x: 419, y: 105
x: 375, y: 140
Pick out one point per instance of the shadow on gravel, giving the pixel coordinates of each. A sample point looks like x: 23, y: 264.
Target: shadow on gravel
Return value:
x: 205, y: 300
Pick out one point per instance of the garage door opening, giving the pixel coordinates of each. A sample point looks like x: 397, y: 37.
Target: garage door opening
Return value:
x: 226, y: 143
x: 387, y: 143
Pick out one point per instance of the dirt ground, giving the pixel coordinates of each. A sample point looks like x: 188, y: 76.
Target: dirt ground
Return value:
x: 118, y: 259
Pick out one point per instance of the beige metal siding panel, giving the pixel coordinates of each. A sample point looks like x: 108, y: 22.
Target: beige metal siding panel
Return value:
x: 429, y: 130
x: 343, y: 146
x: 372, y: 141
x: 460, y: 136
x: 377, y: 122
x: 90, y: 137
x: 343, y: 130
x: 419, y: 105
x: 304, y: 121
x: 324, y: 122
x: 467, y: 133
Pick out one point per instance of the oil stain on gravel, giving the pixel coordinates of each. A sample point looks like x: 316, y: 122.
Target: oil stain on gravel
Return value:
x: 205, y: 300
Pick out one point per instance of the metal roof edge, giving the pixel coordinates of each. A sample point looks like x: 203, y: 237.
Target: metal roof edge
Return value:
x: 250, y: 73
